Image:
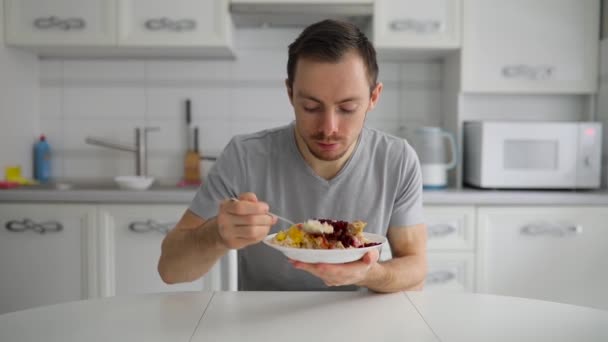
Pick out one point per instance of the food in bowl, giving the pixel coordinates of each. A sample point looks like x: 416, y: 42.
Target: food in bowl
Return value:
x: 324, y: 234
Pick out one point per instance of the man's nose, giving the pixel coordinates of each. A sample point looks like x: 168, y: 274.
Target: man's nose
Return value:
x: 329, y: 125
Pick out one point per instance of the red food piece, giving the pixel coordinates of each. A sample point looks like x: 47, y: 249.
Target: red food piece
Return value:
x: 342, y: 234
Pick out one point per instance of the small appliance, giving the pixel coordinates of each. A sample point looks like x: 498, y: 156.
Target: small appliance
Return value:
x: 532, y: 155
x: 429, y: 143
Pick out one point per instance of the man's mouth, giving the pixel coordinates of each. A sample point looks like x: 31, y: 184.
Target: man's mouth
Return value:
x: 327, y: 146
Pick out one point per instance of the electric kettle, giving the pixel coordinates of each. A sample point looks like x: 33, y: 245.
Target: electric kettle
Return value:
x: 429, y: 143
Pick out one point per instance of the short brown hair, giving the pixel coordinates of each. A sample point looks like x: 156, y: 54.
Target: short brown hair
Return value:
x: 328, y: 41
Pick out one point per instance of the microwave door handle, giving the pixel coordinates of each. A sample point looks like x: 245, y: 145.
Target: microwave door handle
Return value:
x: 454, y: 160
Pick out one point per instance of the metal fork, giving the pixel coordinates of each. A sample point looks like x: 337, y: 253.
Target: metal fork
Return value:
x: 269, y: 213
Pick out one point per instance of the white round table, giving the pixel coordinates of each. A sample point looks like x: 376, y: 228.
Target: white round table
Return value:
x: 306, y: 316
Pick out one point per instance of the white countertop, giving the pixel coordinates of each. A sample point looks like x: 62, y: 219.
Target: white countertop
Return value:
x: 307, y: 316
x: 176, y: 195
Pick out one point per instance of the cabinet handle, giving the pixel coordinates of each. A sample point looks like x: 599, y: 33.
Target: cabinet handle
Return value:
x: 538, y: 229
x: 45, y: 23
x: 150, y: 225
x: 418, y: 26
x: 27, y: 224
x: 441, y: 229
x: 164, y: 23
x: 516, y: 71
x: 542, y: 72
x: 440, y: 277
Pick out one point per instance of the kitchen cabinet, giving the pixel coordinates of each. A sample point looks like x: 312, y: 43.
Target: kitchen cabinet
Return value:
x: 450, y: 272
x: 180, y: 23
x: 433, y: 24
x: 128, y: 28
x: 549, y: 253
x: 60, y: 22
x: 530, y: 46
x: 47, y: 254
x: 450, y: 248
x: 130, y: 243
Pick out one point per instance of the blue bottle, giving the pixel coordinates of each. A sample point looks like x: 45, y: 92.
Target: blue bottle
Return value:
x: 42, y: 160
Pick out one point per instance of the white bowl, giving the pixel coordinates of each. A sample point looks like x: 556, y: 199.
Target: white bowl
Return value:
x: 134, y: 182
x: 330, y: 256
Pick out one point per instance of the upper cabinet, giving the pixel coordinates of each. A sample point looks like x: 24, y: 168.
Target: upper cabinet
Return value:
x: 530, y: 46
x: 120, y: 28
x: 60, y: 22
x: 176, y: 23
x: 433, y: 24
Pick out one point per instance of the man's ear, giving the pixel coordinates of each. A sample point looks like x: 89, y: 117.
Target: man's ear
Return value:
x: 289, y: 91
x: 375, y: 96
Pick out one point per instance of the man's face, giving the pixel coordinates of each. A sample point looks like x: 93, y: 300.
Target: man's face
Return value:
x: 331, y: 101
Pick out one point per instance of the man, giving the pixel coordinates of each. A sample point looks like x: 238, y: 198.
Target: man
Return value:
x: 324, y: 165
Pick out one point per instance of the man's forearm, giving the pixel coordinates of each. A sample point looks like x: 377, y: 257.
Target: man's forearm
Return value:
x: 188, y: 254
x: 399, y: 274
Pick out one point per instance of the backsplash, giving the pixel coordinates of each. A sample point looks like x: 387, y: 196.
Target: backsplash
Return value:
x: 109, y: 98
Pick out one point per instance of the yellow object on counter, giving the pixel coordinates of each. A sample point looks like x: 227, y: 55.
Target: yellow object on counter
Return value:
x: 13, y: 174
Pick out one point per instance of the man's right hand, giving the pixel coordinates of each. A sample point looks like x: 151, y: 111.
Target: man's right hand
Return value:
x: 244, y: 222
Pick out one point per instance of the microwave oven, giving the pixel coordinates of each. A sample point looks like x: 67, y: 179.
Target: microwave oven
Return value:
x: 532, y: 155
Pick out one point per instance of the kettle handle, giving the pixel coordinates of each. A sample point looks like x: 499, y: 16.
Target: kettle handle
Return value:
x: 454, y: 159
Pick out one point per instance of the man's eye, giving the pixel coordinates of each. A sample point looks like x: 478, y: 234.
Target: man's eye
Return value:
x: 348, y: 110
x: 311, y: 109
x: 348, y: 107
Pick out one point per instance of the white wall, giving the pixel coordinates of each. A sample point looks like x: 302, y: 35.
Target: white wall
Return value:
x: 19, y: 98
x: 109, y: 98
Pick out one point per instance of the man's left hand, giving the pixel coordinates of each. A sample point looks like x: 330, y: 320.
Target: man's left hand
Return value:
x: 341, y: 274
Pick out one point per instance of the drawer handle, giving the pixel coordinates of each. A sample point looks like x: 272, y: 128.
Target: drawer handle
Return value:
x: 418, y: 26
x: 149, y: 226
x: 522, y: 71
x: 546, y: 229
x: 164, y: 23
x: 440, y: 277
x: 51, y: 22
x: 27, y: 224
x: 439, y: 230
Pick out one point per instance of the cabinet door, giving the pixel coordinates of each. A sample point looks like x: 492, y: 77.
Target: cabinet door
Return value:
x: 131, y: 237
x: 174, y: 23
x: 60, y: 22
x: 557, y: 254
x: 417, y: 23
x: 46, y: 255
x: 450, y: 272
x: 530, y: 46
x: 450, y: 228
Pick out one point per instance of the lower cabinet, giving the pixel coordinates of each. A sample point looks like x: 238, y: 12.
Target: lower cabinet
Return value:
x: 551, y: 253
x: 451, y: 248
x: 450, y: 272
x: 53, y: 253
x: 130, y: 238
x: 47, y: 255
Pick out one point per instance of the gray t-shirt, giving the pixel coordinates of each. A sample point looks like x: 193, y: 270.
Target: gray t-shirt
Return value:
x: 380, y: 184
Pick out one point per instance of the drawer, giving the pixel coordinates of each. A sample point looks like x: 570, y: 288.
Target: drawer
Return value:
x: 450, y: 228
x: 450, y: 272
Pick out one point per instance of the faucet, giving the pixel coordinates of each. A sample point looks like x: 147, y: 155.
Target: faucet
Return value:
x: 140, y: 149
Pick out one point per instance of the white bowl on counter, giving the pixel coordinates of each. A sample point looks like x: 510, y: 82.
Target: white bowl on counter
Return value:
x: 134, y: 182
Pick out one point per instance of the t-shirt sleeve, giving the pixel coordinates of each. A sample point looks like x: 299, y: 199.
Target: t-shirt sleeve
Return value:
x: 222, y: 182
x: 407, y: 210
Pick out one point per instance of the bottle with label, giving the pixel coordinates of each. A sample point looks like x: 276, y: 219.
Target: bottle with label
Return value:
x: 42, y: 160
